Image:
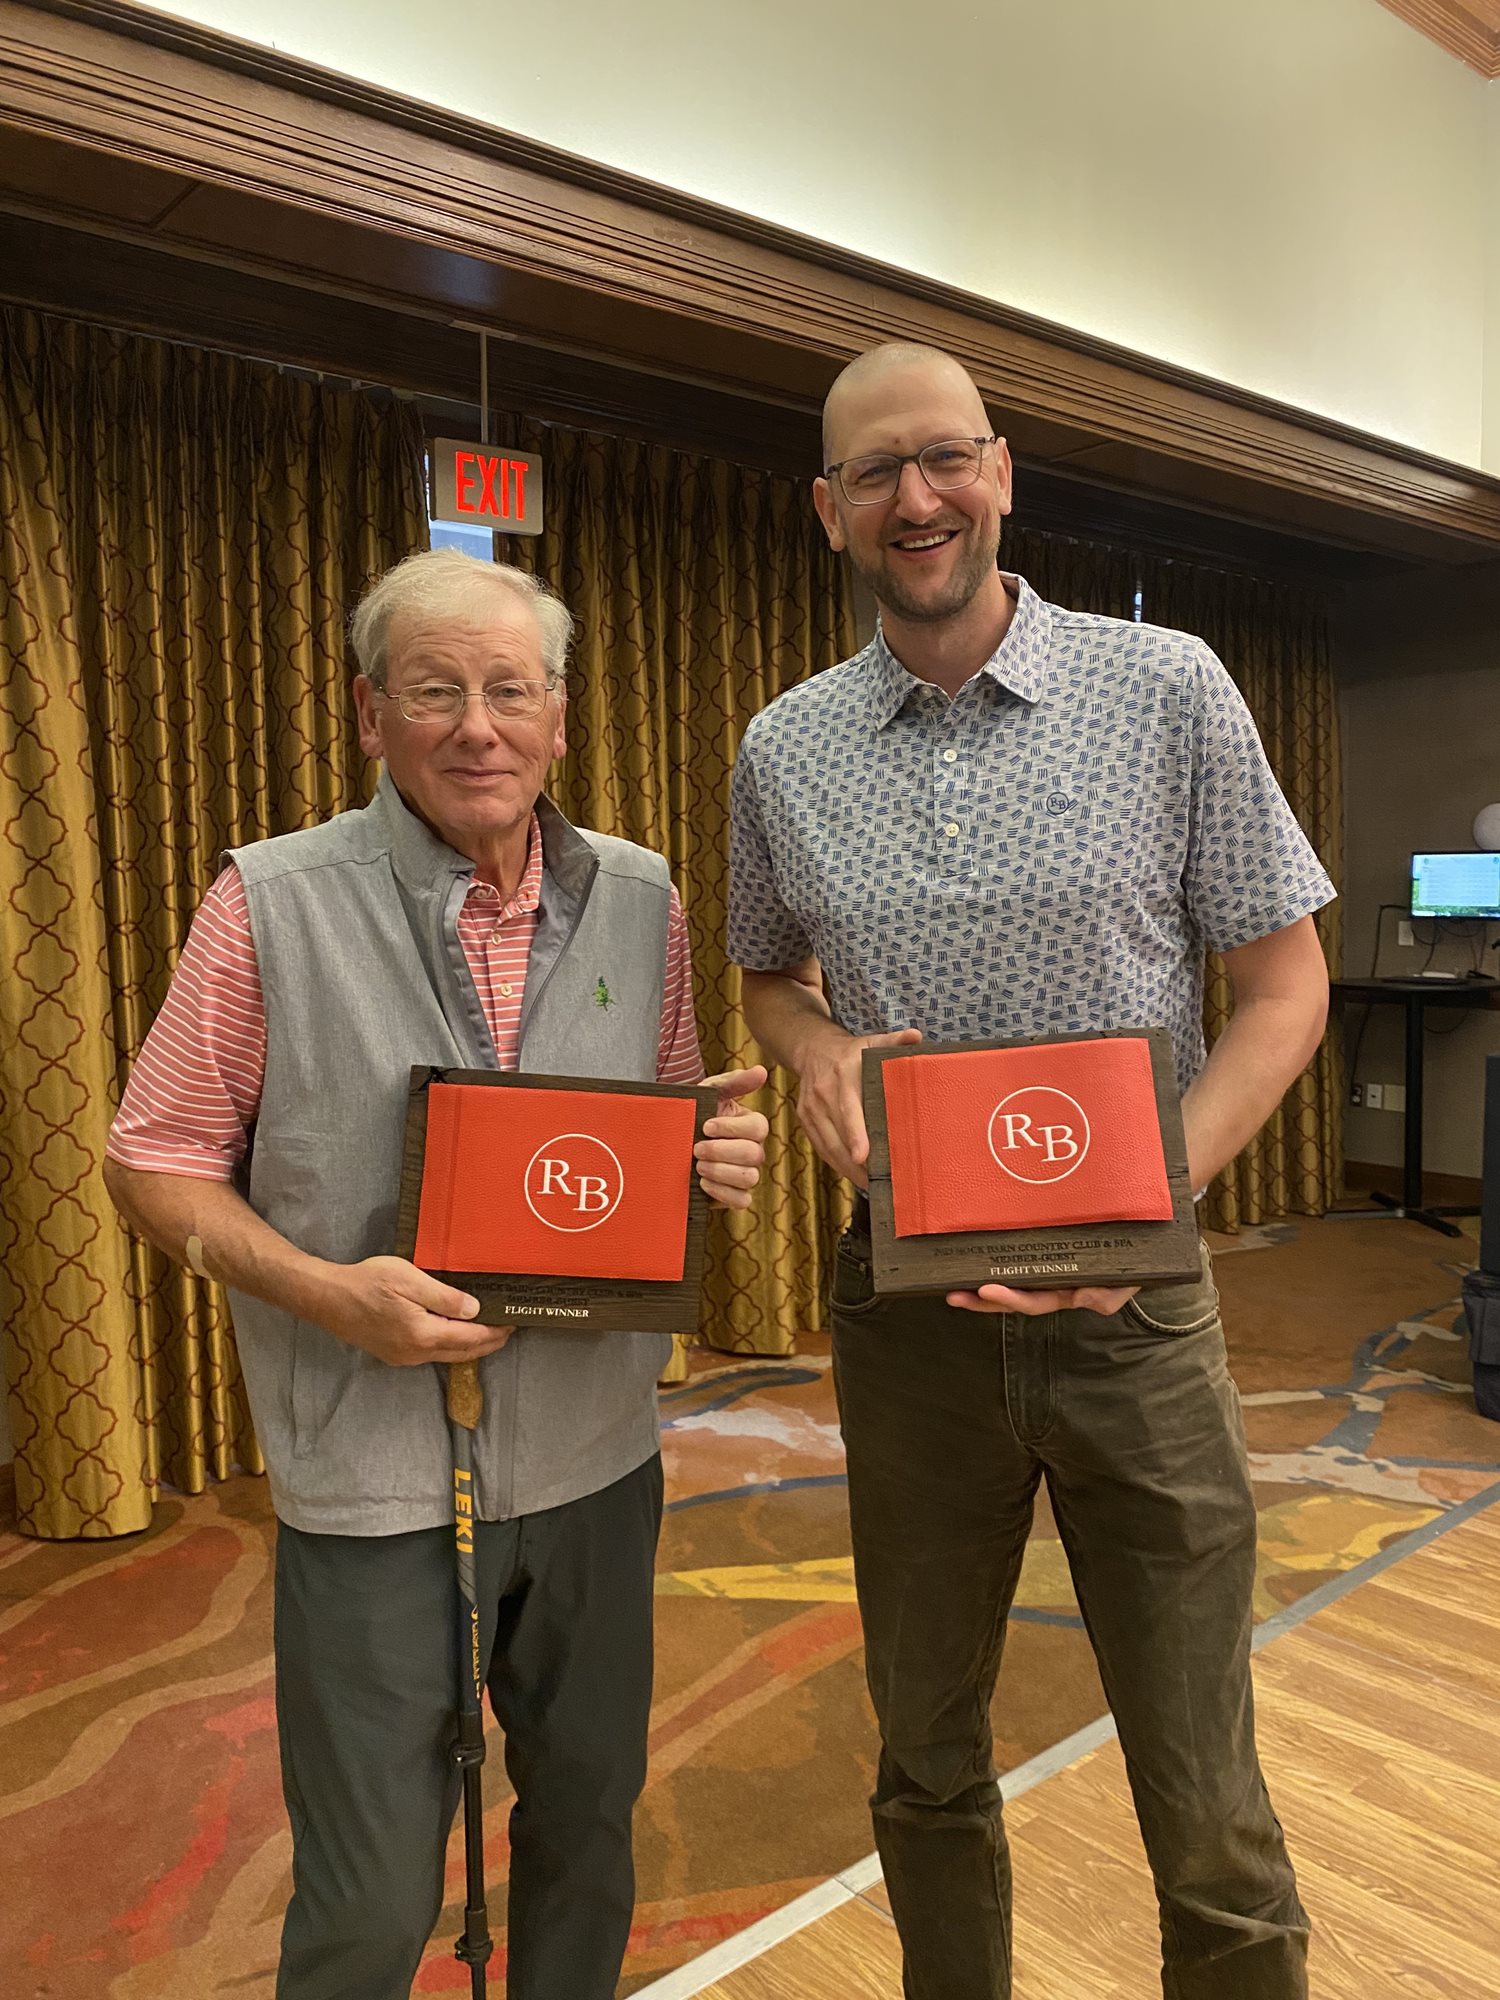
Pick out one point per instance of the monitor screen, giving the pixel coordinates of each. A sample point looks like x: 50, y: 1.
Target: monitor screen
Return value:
x: 1455, y: 885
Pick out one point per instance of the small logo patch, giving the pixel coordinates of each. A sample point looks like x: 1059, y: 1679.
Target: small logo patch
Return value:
x: 602, y: 996
x: 1058, y: 802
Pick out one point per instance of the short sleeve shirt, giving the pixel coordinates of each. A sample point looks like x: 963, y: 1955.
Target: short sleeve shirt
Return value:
x: 1050, y: 851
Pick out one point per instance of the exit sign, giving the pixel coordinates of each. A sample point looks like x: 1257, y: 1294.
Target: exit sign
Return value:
x: 484, y: 486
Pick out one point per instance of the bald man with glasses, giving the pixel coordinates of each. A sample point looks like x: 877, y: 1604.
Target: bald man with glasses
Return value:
x: 1005, y: 819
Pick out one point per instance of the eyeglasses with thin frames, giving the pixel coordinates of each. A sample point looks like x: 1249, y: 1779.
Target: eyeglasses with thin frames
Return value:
x: 443, y: 701
x: 946, y: 465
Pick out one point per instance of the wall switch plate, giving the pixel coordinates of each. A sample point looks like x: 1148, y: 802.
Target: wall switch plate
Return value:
x: 1375, y: 1096
x: 1395, y: 1097
x: 1404, y: 934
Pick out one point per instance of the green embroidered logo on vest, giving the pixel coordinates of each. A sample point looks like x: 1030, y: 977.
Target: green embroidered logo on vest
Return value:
x: 602, y: 995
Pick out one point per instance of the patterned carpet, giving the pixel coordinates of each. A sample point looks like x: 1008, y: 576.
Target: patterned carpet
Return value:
x: 147, y: 1852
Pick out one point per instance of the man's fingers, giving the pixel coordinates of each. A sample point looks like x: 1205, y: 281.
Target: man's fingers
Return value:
x: 896, y: 1039
x: 1106, y: 1304
x: 399, y: 1279
x: 446, y: 1301
x: 1001, y: 1299
x: 724, y: 1196
x: 438, y: 1339
x: 729, y: 1152
x: 733, y: 1084
x: 751, y: 1125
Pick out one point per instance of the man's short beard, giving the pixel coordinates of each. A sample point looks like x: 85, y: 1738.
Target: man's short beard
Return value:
x: 891, y: 592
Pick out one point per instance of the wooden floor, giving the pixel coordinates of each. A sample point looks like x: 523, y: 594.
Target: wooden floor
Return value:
x: 1380, y: 1733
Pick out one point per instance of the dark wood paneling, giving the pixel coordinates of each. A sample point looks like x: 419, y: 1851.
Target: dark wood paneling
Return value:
x: 124, y: 284
x: 145, y: 290
x: 311, y: 178
x: 35, y: 168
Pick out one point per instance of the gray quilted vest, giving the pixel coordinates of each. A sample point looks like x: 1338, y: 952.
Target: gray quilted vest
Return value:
x: 355, y: 926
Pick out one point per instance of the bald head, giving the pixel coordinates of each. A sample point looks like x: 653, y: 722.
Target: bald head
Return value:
x: 878, y: 384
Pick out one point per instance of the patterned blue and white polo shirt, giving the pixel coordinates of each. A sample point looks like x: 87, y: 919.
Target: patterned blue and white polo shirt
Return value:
x: 1049, y: 852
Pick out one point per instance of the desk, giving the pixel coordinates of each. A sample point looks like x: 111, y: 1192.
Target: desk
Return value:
x: 1414, y: 997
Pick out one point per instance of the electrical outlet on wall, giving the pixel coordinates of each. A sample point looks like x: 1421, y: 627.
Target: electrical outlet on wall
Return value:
x: 1404, y: 932
x: 1375, y: 1096
x: 1356, y: 1093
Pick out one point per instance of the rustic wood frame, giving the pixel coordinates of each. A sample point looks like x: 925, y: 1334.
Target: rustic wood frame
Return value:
x: 602, y: 1305
x: 1084, y: 1254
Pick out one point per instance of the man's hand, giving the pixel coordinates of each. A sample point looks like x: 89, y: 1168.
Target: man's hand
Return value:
x: 829, y: 1100
x: 732, y: 1150
x: 404, y: 1317
x: 1001, y: 1299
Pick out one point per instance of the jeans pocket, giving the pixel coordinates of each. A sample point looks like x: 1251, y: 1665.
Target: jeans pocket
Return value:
x: 853, y: 1291
x: 1176, y: 1309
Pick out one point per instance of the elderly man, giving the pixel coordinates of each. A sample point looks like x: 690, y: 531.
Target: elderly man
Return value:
x: 1006, y: 819
x: 460, y: 920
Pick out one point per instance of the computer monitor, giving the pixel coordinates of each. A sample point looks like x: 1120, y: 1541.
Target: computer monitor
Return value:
x: 1455, y: 885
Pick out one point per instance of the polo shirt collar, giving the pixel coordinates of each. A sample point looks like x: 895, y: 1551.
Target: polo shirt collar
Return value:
x: 1018, y: 663
x: 420, y: 859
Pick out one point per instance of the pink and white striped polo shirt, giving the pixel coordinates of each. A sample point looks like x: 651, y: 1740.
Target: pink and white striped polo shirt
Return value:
x: 195, y: 1089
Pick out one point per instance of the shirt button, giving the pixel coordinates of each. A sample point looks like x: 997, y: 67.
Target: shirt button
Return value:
x: 951, y: 829
x: 950, y: 756
x: 506, y: 990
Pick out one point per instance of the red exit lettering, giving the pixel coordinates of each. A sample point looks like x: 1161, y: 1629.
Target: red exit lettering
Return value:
x: 496, y: 479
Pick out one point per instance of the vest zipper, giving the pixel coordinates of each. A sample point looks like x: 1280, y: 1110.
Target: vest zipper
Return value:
x: 529, y: 1007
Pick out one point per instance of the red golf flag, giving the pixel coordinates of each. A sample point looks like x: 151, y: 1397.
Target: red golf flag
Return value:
x: 1031, y: 1138
x: 566, y: 1183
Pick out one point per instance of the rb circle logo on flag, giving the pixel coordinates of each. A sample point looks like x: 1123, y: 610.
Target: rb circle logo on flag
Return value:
x: 1039, y: 1134
x: 574, y: 1182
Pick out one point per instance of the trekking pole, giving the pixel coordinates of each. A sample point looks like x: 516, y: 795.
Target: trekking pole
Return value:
x: 465, y: 1408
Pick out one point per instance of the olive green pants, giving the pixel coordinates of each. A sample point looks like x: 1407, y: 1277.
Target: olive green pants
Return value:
x: 366, y: 1681
x: 951, y: 1420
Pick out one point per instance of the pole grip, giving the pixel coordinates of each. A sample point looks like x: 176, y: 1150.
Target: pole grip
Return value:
x: 465, y: 1397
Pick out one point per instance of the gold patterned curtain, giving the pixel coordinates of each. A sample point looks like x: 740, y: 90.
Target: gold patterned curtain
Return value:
x: 1273, y: 638
x: 186, y: 535
x: 701, y: 590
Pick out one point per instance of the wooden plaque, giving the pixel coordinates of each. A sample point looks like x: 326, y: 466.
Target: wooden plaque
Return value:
x: 509, y: 1298
x: 1062, y: 1257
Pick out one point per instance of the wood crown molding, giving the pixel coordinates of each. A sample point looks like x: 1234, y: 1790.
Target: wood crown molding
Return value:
x: 230, y: 116
x: 1469, y: 31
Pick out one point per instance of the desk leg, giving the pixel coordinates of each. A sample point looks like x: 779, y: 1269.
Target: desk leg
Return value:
x: 1411, y: 1135
x: 1410, y: 1204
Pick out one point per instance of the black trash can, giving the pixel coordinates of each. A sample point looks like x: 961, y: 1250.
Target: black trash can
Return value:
x: 1482, y: 1311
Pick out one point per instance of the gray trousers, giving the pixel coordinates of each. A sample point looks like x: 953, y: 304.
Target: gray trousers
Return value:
x: 951, y: 1421
x: 365, y: 1694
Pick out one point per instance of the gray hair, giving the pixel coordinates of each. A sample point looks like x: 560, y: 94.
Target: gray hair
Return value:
x: 446, y: 583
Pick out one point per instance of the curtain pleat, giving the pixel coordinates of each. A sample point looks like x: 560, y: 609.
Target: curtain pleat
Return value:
x: 176, y: 681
